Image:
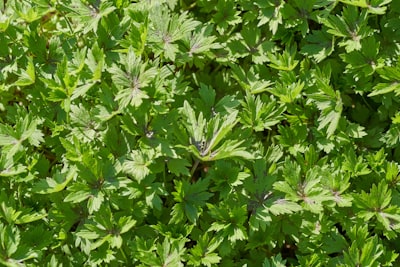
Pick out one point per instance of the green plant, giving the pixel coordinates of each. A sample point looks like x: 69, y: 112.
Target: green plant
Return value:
x: 199, y: 133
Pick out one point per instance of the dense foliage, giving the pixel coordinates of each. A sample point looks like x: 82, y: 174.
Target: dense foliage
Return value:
x: 199, y: 133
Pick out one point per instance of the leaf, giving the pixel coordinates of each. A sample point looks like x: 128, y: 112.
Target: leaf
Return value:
x: 351, y: 25
x: 203, y: 253
x: 367, y: 60
x: 10, y: 239
x: 329, y: 102
x: 89, y: 15
x: 166, y: 29
x: 389, y: 73
x: 126, y: 223
x: 378, y: 199
x: 8, y: 168
x: 6, y: 140
x: 77, y: 196
x: 282, y: 206
x: 27, y: 12
x: 319, y: 45
x: 95, y: 61
x: 249, y: 80
x: 374, y: 6
x: 138, y: 33
x: 73, y: 149
x: 81, y: 90
x: 178, y: 166
x: 195, y: 126
x: 226, y: 16
x: 284, y: 61
x: 191, y: 197
x: 30, y: 217
x: 230, y: 148
x: 56, y: 184
x: 220, y: 132
x: 260, y: 116
x: 4, y: 22
x: 27, y: 77
x: 354, y: 164
x: 206, y: 136
x: 223, y: 216
x: 200, y: 41
x: 276, y: 261
x: 287, y: 90
x: 137, y: 164
x: 132, y: 80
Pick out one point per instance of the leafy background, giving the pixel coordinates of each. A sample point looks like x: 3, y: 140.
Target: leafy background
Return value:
x: 199, y: 133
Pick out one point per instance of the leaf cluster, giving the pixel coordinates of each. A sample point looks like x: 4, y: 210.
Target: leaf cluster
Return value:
x: 199, y: 133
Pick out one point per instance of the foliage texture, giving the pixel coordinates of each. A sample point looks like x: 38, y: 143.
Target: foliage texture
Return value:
x: 199, y: 133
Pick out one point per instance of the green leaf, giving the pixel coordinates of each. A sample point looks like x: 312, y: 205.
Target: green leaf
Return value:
x: 374, y: 6
x: 284, y: 61
x: 351, y: 25
x: 10, y: 239
x: 366, y: 60
x: 166, y: 29
x: 259, y: 115
x: 329, y: 102
x: 178, y: 166
x: 319, y: 45
x: 228, y: 222
x: 203, y: 253
x: 95, y: 61
x: 30, y: 217
x: 4, y: 22
x: 389, y: 73
x: 27, y: 12
x: 288, y: 90
x: 89, y: 15
x: 227, y: 15
x: 138, y: 32
x: 27, y: 77
x: 126, y: 223
x: 6, y: 140
x: 376, y: 204
x: 191, y: 197
x: 77, y: 196
x: 249, y: 80
x: 355, y: 165
x: 55, y: 184
x: 133, y: 80
x: 282, y: 206
x: 276, y: 261
x: 137, y: 164
x: 363, y: 250
x: 206, y: 137
x: 308, y: 191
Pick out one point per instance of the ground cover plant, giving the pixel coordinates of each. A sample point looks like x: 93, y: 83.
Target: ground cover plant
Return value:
x: 199, y: 133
